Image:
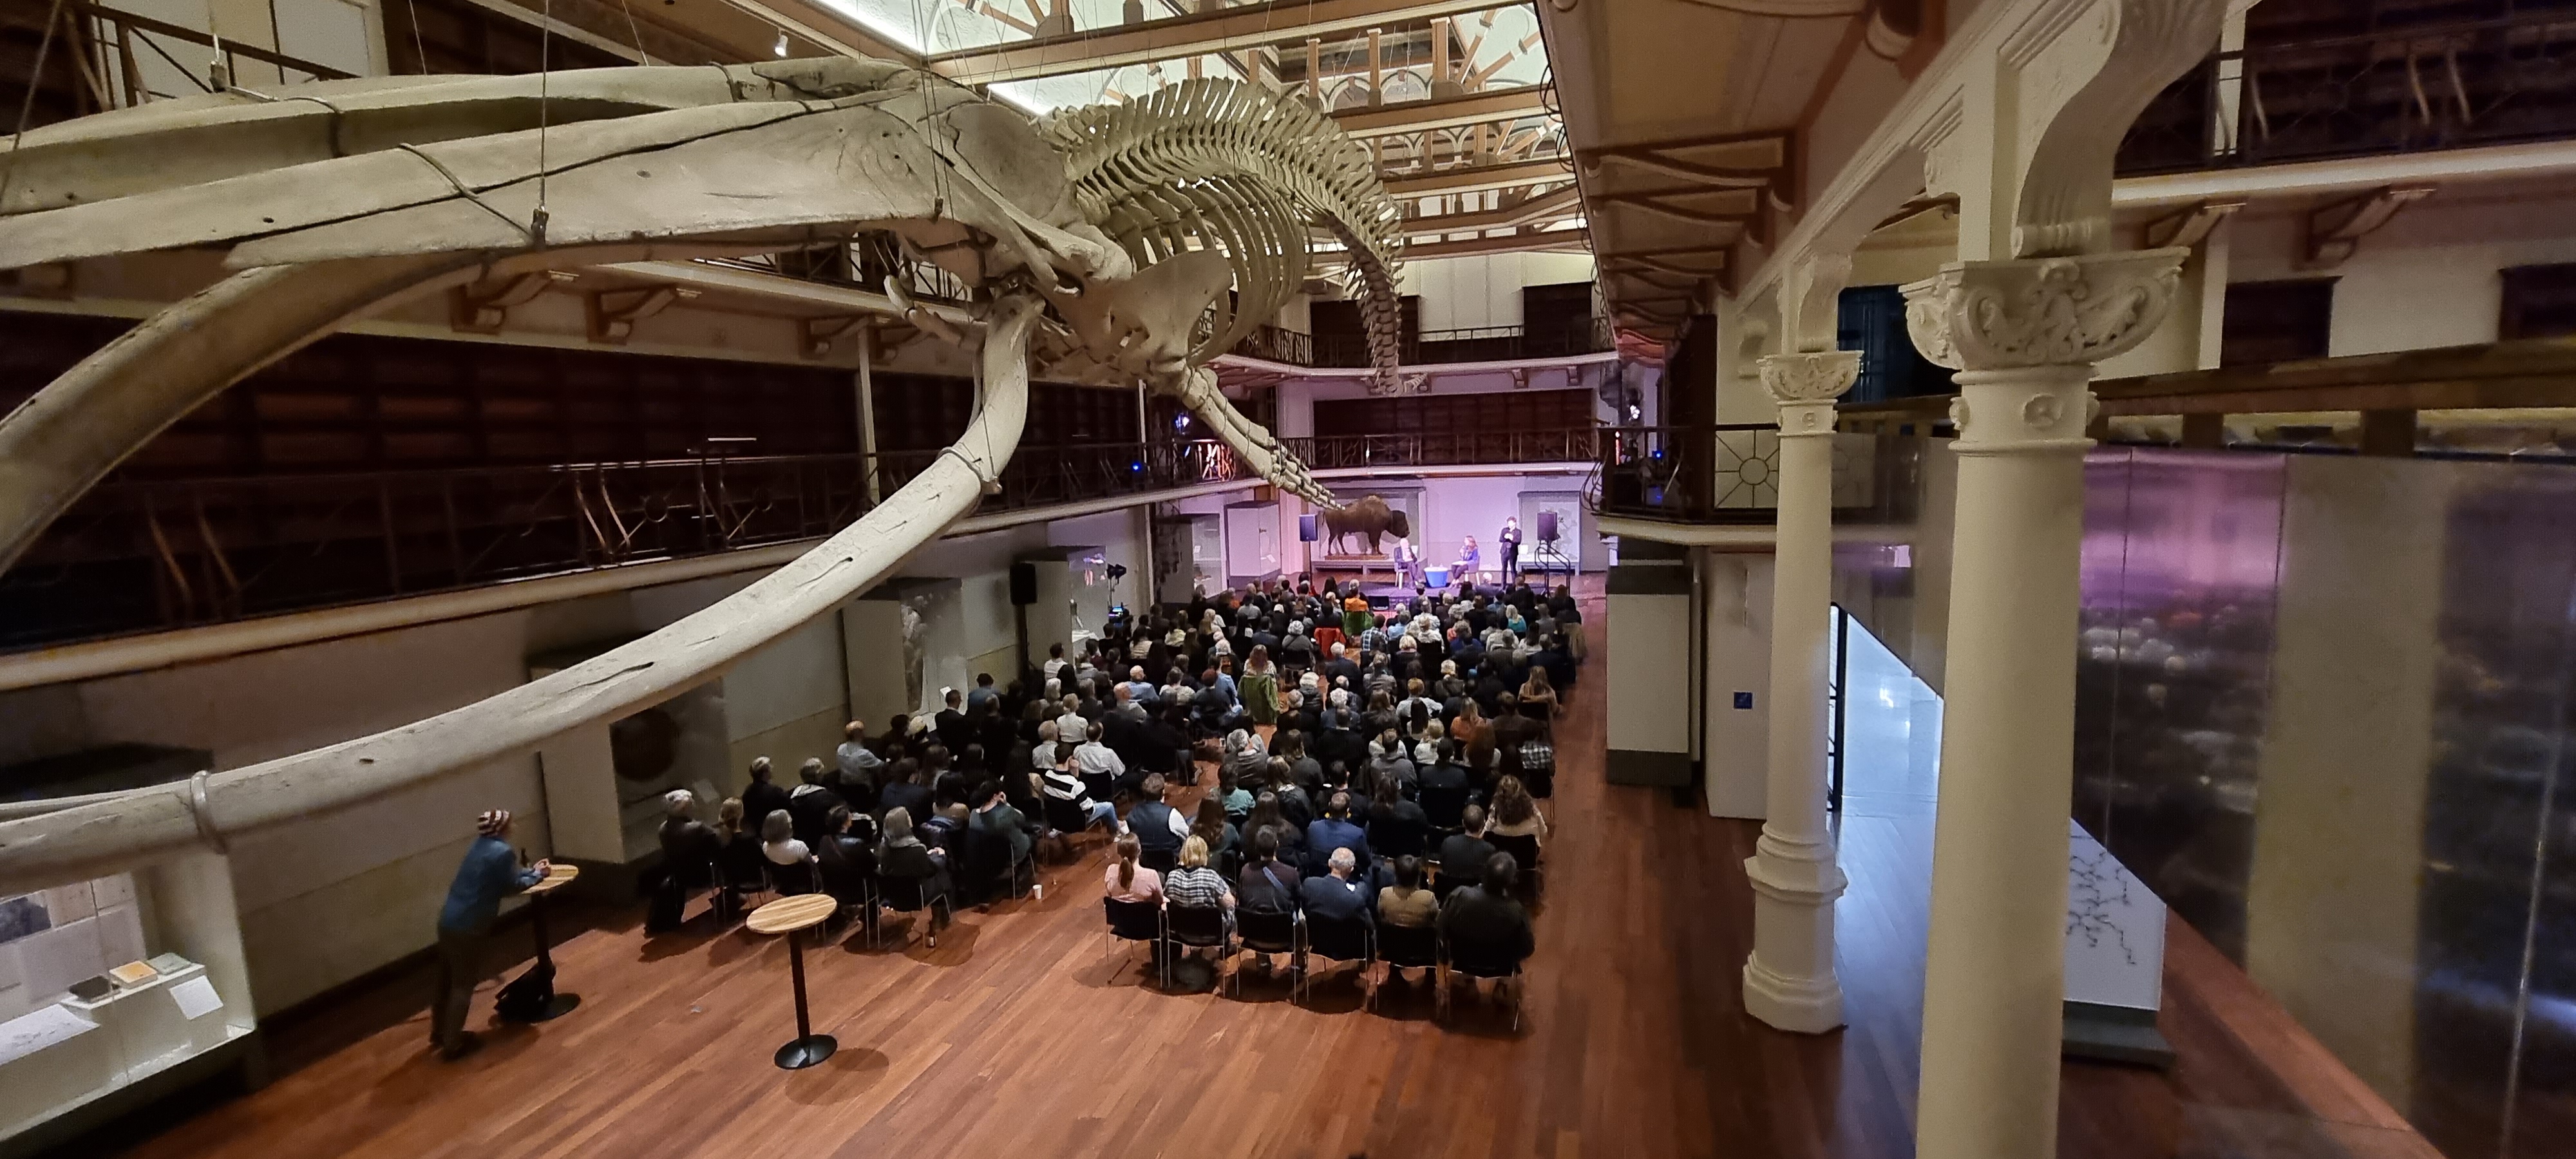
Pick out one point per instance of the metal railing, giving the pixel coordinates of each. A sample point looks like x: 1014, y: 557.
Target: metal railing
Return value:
x: 149, y: 556
x: 1731, y: 474
x: 1570, y: 445
x: 1722, y: 473
x: 1431, y: 347
x: 2485, y: 82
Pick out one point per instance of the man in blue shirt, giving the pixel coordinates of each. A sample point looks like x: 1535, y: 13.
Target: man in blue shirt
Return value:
x: 489, y: 873
x: 1332, y: 831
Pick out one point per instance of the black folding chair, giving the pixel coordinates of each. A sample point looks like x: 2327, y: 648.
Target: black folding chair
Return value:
x: 1134, y: 921
x: 1408, y: 947
x: 1335, y: 940
x: 741, y: 871
x: 919, y: 895
x: 1524, y: 851
x: 1267, y: 932
x: 989, y: 863
x: 853, y: 883
x: 1445, y: 808
x: 1067, y: 816
x: 792, y: 880
x: 1477, y: 961
x: 1200, y: 926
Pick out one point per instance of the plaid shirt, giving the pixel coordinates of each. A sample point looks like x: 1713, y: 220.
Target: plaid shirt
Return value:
x: 1198, y: 886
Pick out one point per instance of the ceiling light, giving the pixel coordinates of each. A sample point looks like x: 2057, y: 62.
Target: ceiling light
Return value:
x: 780, y: 48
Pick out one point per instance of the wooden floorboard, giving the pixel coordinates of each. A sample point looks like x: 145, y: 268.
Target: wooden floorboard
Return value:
x: 1023, y: 1035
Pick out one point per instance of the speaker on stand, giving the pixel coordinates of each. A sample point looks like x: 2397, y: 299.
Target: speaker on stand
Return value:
x: 1549, y: 558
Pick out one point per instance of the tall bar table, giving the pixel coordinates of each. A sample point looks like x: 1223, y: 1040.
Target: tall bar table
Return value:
x: 788, y: 915
x: 532, y: 997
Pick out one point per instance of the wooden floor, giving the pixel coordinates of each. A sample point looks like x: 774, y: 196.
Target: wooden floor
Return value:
x: 1023, y: 1035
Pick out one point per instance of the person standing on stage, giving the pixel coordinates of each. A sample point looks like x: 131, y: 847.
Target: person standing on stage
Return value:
x: 1511, y: 541
x: 490, y: 872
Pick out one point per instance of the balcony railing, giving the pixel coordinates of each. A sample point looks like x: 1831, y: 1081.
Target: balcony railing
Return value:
x: 2487, y: 82
x: 1431, y: 347
x: 150, y: 556
x: 1689, y: 474
x: 1573, y: 445
x: 1731, y: 474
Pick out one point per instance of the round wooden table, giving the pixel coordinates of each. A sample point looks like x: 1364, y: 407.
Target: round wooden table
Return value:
x: 786, y: 916
x: 532, y: 996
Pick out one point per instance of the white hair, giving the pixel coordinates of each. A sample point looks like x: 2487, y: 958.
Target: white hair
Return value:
x: 678, y: 802
x: 1344, y: 860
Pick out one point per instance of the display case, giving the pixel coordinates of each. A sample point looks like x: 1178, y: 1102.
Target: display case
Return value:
x: 117, y: 989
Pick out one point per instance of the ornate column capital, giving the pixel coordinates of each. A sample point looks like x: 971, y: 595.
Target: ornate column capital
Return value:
x: 2033, y: 312
x: 1805, y: 386
x: 2025, y: 335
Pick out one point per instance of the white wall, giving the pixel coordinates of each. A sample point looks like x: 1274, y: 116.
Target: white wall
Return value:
x: 2429, y: 277
x: 1736, y: 744
x: 1485, y: 289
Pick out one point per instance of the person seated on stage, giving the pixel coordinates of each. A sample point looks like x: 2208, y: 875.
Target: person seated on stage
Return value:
x: 1463, y: 853
x: 1484, y: 922
x: 907, y: 792
x: 811, y: 801
x: 1157, y: 826
x: 1396, y: 826
x: 689, y: 846
x: 778, y: 843
x: 1515, y: 814
x: 1064, y: 783
x: 1408, y: 902
x: 1335, y: 830
x: 903, y: 857
x: 995, y: 816
x: 1128, y: 881
x: 1338, y: 894
x: 1465, y: 569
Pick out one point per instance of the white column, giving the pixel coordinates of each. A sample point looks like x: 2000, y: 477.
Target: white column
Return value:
x: 2025, y: 336
x: 1789, y: 981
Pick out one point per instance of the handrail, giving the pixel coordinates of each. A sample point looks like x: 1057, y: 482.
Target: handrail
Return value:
x: 148, y: 555
x: 2401, y: 90
x: 192, y: 36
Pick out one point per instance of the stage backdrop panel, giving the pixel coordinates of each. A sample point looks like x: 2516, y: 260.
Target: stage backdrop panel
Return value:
x: 1405, y: 499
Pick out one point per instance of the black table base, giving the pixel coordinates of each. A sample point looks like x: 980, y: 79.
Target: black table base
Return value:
x: 531, y: 997
x: 808, y: 1048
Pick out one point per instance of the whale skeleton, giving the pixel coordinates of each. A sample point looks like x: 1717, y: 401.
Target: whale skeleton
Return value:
x: 1100, y: 244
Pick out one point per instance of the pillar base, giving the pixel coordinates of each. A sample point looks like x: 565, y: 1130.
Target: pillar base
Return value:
x: 1797, y: 1005
x: 1789, y: 981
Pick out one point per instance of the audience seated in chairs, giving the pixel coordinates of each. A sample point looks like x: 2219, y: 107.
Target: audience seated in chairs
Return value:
x: 1463, y: 854
x: 1486, y: 931
x: 791, y: 864
x: 1127, y: 881
x: 1396, y: 827
x: 1336, y: 905
x: 740, y: 864
x: 912, y: 875
x: 1157, y: 826
x: 1268, y: 883
x: 1070, y: 807
x: 811, y: 801
x: 688, y: 862
x: 1335, y: 830
x: 905, y: 791
x: 1198, y: 905
x: 999, y: 841
x: 1408, y: 903
x: 847, y: 856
